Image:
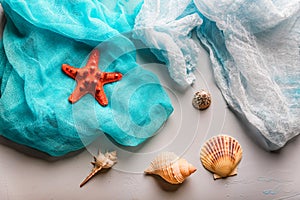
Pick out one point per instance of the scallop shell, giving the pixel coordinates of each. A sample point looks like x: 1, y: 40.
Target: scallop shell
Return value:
x: 171, y: 168
x: 221, y: 156
x: 201, y: 100
x: 102, y: 161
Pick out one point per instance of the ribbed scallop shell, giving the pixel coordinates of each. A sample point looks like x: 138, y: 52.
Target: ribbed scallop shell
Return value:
x: 171, y: 168
x: 221, y: 155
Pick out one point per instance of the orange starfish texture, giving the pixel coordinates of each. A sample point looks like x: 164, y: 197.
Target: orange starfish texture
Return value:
x: 90, y: 79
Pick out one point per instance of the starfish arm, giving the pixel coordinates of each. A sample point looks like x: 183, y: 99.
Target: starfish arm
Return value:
x: 77, y: 94
x: 109, y: 77
x: 69, y: 70
x: 90, y: 79
x: 94, y: 58
x: 100, y: 95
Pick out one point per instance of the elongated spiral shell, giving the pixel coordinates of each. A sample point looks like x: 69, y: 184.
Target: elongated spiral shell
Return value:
x: 221, y: 156
x: 102, y: 161
x: 171, y: 168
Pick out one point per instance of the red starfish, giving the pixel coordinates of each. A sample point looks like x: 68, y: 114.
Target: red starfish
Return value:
x: 90, y: 79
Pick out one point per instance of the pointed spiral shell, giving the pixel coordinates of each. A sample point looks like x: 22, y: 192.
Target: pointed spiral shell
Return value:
x: 221, y: 156
x: 102, y: 161
x: 106, y: 160
x: 171, y: 168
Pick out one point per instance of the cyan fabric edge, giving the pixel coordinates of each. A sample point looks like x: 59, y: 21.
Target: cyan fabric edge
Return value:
x: 34, y: 101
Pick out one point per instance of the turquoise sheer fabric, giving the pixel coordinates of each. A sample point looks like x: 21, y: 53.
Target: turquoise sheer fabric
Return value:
x: 40, y: 36
x: 253, y: 46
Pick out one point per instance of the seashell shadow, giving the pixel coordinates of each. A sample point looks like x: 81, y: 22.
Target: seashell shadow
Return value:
x: 164, y: 185
x: 35, y: 153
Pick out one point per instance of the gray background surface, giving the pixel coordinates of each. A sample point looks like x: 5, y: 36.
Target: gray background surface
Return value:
x: 261, y: 174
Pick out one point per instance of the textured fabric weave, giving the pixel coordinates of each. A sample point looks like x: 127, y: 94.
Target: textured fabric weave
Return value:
x: 165, y: 27
x: 254, y: 50
x: 38, y: 38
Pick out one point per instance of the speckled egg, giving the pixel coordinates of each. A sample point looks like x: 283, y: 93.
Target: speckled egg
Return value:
x: 202, y: 100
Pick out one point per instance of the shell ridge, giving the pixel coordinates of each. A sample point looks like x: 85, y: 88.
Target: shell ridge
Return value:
x: 221, y: 155
x: 170, y: 167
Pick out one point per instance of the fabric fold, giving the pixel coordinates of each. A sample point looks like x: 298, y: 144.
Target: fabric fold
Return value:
x: 254, y: 48
x: 34, y: 90
x: 162, y: 27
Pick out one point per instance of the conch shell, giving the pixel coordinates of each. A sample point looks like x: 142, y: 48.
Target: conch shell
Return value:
x: 221, y: 156
x: 102, y: 161
x: 171, y: 168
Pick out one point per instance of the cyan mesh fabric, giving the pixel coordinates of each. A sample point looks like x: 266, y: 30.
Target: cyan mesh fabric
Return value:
x: 40, y: 36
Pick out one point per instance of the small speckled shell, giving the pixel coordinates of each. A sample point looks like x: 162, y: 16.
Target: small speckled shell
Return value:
x: 171, y: 168
x: 221, y: 156
x: 201, y: 100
